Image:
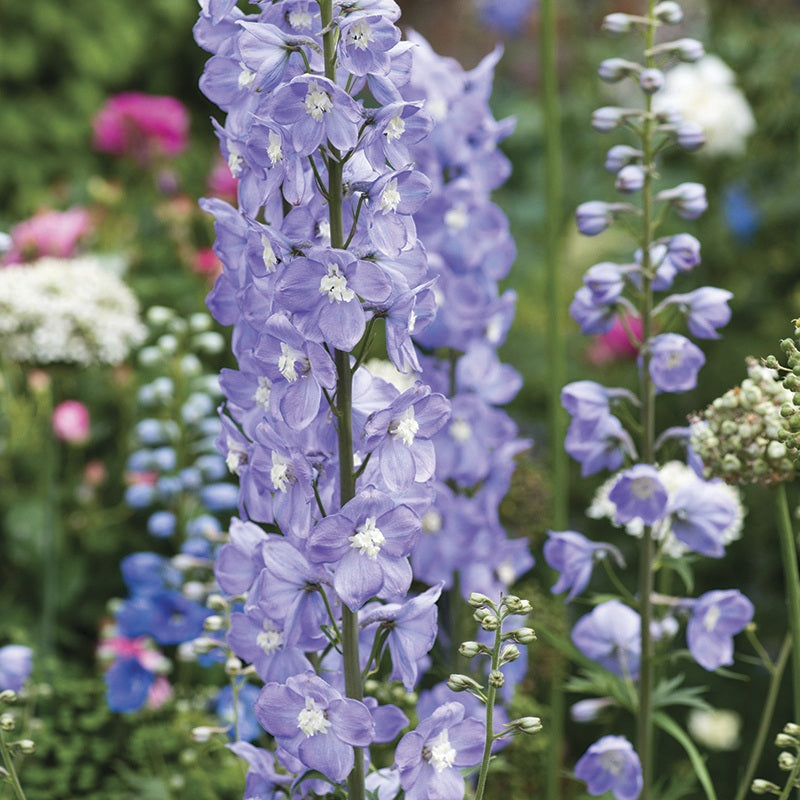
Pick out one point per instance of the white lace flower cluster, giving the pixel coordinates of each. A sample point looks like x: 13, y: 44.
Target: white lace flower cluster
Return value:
x: 73, y: 311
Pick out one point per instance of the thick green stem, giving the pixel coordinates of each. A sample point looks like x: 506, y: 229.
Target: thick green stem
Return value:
x: 557, y: 357
x: 766, y: 718
x: 490, y: 698
x: 645, y: 728
x: 792, y: 580
x: 344, y: 407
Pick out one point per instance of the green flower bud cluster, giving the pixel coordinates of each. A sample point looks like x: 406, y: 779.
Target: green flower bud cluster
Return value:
x: 745, y: 436
x: 11, y: 749
x: 788, y: 761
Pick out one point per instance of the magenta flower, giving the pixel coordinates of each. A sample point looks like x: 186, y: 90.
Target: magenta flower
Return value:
x: 611, y: 764
x: 71, y: 422
x: 48, y: 233
x: 142, y: 126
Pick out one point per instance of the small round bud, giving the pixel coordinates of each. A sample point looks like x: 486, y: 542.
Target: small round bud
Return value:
x: 481, y: 614
x: 233, y: 666
x: 593, y: 218
x: 617, y: 23
x: 776, y: 451
x: 167, y: 344
x: 490, y: 623
x: 785, y: 740
x: 621, y: 155
x: 7, y: 722
x: 26, y: 746
x: 213, y: 623
x: 786, y: 761
x: 470, y: 649
x: 689, y: 49
x: 771, y: 362
x: 202, y: 733
x: 460, y: 683
x: 509, y: 653
x: 8, y: 696
x: 615, y: 69
x: 496, y: 678
x: 477, y: 599
x: 792, y: 728
x: 525, y: 635
x: 651, y: 80
x: 668, y: 12
x: 690, y: 136
x: 607, y: 118
x: 630, y: 179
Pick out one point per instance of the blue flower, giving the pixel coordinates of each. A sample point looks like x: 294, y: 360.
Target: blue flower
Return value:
x: 674, y: 362
x: 610, y: 635
x: 16, y: 663
x: 717, y: 617
x: 639, y: 494
x: 574, y: 556
x: 611, y: 764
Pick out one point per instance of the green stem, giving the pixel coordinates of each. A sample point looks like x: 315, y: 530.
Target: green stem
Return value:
x: 792, y: 580
x: 553, y: 186
x: 490, y: 698
x: 50, y: 535
x: 8, y: 762
x: 645, y: 730
x: 776, y: 673
x: 354, y: 688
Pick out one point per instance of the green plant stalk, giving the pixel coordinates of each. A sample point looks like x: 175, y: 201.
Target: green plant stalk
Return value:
x: 766, y: 718
x: 645, y: 726
x: 553, y: 198
x: 491, y: 693
x: 50, y: 535
x: 790, y: 781
x: 792, y: 579
x: 8, y: 762
x: 344, y: 405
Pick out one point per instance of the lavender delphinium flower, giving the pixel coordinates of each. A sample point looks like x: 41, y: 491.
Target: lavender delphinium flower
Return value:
x: 716, y: 617
x: 574, y: 556
x: 610, y: 636
x: 16, y: 663
x: 611, y: 764
x: 639, y: 494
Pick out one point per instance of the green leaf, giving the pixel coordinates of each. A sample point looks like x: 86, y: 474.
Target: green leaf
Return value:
x: 668, y: 692
x: 668, y: 725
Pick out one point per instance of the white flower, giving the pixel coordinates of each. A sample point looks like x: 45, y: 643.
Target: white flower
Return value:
x: 717, y: 729
x: 704, y: 92
x: 73, y: 311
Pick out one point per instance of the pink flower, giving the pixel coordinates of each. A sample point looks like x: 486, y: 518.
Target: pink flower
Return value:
x: 142, y: 126
x: 206, y: 263
x: 71, y: 422
x: 221, y: 182
x: 615, y: 345
x: 48, y: 233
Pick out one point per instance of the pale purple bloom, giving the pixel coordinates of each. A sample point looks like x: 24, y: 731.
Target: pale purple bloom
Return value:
x: 239, y: 562
x: 639, y: 494
x: 430, y: 758
x: 605, y: 281
x: 314, y: 723
x: 592, y: 316
x: 16, y: 663
x: 674, y: 362
x: 393, y: 128
x: 705, y: 309
x: 574, y: 556
x: 684, y: 251
x: 717, y: 617
x: 587, y: 400
x: 598, y: 443
x: 368, y: 541
x: 263, y: 780
x: 611, y: 635
x: 701, y: 512
x: 611, y: 764
x: 364, y: 44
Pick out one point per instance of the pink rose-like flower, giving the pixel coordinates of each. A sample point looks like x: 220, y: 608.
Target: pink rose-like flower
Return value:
x: 141, y: 125
x: 48, y: 233
x: 71, y: 422
x: 614, y: 345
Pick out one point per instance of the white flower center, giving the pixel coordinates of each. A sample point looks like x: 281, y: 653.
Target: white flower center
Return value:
x: 643, y: 488
x: 299, y: 19
x: 390, y: 197
x: 494, y: 330
x: 436, y: 108
x: 270, y: 639
x: 263, y: 392
x: 431, y: 521
x: 246, y: 77
x: 317, y: 102
x: 311, y: 720
x: 279, y: 474
x: 359, y: 35
x: 235, y: 162
x: 406, y: 427
x: 674, y: 359
x: 441, y: 753
x: 456, y: 218
x: 395, y: 129
x: 461, y: 430
x: 711, y: 618
x: 274, y: 148
x: 334, y: 284
x: 412, y: 321
x: 324, y: 232
x: 613, y: 761
x: 268, y: 254
x: 237, y: 456
x: 287, y: 361
x: 367, y: 539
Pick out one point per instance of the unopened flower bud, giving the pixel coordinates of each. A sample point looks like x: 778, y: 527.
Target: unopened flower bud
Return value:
x: 216, y: 602
x: 607, y: 118
x: 524, y: 635
x: 760, y: 786
x: 690, y: 136
x: 8, y: 696
x: 202, y: 733
x: 460, y: 683
x: 651, y: 80
x: 490, y: 622
x: 786, y: 761
x: 213, y: 623
x: 509, y: 653
x: 7, y: 722
x: 470, y: 649
x: 496, y: 678
x: 621, y: 155
x: 617, y: 23
x: 668, y: 12
x: 785, y: 740
x: 689, y: 49
x: 792, y: 728
x: 593, y: 217
x: 477, y: 599
x: 630, y: 179
x: 688, y: 199
x: 233, y: 666
x: 25, y: 746
x: 528, y: 725
x: 615, y: 69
